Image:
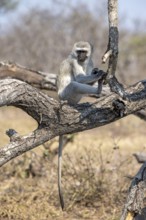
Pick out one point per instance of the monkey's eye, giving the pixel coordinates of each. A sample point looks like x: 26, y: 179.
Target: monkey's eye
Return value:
x: 81, y: 52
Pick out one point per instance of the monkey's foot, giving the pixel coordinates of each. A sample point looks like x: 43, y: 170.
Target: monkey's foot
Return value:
x: 117, y: 87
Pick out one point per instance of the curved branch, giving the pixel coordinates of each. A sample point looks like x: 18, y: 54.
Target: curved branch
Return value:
x: 40, y: 79
x: 57, y: 118
x: 35, y: 78
x: 18, y: 145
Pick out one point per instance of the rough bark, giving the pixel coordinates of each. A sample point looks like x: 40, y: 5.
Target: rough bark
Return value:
x: 35, y: 78
x: 112, y: 48
x: 41, y: 80
x: 134, y: 207
x: 57, y: 118
x: 134, y: 203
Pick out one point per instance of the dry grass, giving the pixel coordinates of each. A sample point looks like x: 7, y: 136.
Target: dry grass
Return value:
x: 95, y: 167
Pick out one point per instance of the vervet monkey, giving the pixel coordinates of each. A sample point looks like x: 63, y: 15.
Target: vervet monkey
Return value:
x: 76, y: 72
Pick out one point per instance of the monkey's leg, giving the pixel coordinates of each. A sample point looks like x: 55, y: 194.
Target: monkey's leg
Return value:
x: 80, y: 88
x: 59, y: 171
x: 74, y: 92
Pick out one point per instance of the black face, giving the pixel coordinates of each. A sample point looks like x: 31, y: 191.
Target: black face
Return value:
x: 81, y: 55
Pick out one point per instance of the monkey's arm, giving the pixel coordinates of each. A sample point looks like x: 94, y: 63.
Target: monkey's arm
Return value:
x: 95, y: 76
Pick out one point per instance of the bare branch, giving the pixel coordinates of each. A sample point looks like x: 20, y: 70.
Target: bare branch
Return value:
x: 41, y: 80
x: 112, y: 48
x: 58, y: 118
x: 35, y: 78
x: 134, y: 204
x: 22, y: 144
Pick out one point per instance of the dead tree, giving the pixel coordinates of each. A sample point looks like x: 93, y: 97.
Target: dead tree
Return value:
x: 58, y: 118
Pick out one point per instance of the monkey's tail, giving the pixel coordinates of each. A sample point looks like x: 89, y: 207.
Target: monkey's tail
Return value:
x: 59, y: 171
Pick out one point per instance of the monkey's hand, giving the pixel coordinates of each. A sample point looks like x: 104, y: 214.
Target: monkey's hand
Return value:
x: 99, y: 74
x: 95, y: 71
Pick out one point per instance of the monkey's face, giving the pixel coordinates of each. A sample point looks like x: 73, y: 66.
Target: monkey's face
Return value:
x: 81, y: 55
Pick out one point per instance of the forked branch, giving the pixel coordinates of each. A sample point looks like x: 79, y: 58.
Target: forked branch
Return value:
x: 58, y: 118
x: 112, y: 50
x: 134, y: 203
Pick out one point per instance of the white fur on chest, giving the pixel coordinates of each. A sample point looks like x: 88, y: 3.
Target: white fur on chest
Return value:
x: 80, y: 69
